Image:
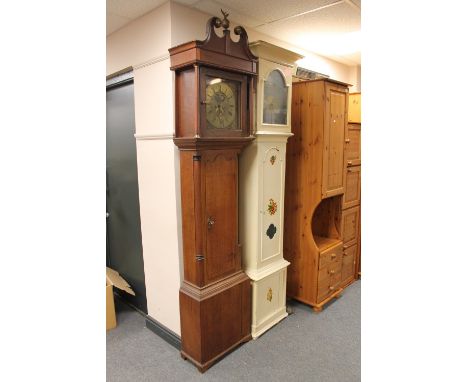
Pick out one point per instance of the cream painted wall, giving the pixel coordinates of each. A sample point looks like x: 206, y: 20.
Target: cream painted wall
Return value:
x: 356, y: 77
x: 140, y: 40
x: 153, y: 99
x: 143, y: 44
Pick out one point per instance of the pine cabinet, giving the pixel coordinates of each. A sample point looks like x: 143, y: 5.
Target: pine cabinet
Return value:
x: 352, y: 194
x: 262, y: 179
x: 315, y: 184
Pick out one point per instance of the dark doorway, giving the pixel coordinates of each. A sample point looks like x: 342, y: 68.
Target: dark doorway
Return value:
x: 124, y: 248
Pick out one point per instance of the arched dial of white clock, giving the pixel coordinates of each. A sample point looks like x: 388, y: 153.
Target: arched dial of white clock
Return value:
x: 221, y: 108
x: 275, y: 99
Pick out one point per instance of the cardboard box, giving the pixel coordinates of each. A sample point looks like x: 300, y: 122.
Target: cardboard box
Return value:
x: 111, y: 321
x: 113, y: 279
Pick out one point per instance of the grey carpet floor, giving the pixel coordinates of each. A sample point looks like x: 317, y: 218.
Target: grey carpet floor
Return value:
x: 305, y: 346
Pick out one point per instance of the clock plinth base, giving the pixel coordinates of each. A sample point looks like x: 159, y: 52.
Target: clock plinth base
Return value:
x: 280, y: 315
x: 205, y: 366
x: 268, y: 301
x: 214, y: 319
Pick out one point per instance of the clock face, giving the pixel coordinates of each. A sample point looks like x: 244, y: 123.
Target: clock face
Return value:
x: 221, y: 103
x: 275, y: 99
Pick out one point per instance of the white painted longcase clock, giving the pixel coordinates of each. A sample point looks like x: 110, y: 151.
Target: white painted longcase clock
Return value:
x: 262, y: 175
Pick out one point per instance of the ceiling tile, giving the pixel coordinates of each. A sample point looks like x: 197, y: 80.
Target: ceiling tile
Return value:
x: 333, y: 31
x: 269, y: 10
x: 214, y: 8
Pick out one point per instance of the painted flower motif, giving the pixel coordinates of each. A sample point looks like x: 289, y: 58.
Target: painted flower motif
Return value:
x: 273, y: 159
x: 271, y: 231
x: 272, y: 207
x: 269, y: 295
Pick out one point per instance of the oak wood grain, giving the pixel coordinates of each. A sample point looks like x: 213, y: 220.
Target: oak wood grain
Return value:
x: 215, y: 296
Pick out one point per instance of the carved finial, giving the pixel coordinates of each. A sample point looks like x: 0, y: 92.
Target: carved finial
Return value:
x: 225, y: 21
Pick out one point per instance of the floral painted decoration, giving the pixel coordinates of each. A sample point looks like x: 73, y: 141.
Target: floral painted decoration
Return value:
x: 273, y: 159
x: 272, y: 207
x: 269, y: 295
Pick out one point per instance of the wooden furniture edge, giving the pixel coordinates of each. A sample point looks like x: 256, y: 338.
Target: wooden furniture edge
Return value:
x: 202, y: 367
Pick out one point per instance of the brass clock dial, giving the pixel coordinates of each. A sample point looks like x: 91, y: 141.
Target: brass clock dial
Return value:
x: 221, y: 104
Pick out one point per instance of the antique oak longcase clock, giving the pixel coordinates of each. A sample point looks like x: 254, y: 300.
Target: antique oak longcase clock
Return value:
x: 262, y: 176
x: 214, y: 82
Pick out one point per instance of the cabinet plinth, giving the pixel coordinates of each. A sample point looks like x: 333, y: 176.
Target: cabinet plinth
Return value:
x: 213, y: 87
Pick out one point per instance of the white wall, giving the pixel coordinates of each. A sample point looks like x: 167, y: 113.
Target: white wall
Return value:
x: 143, y: 44
x: 140, y: 40
x: 356, y: 77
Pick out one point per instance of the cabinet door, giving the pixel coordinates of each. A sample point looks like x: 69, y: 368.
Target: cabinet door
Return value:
x: 220, y: 214
x: 334, y: 136
x: 352, y: 195
x: 354, y: 114
x: 353, y: 144
x: 348, y: 267
x: 350, y: 226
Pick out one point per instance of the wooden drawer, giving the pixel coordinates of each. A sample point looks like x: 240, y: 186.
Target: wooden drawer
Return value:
x: 330, y: 255
x: 352, y: 151
x: 350, y: 226
x: 329, y: 280
x: 352, y: 195
x: 348, y: 265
